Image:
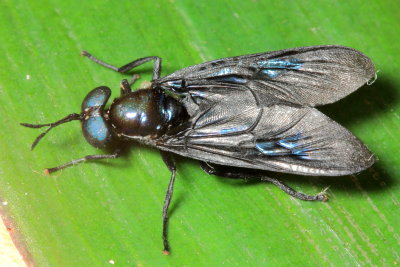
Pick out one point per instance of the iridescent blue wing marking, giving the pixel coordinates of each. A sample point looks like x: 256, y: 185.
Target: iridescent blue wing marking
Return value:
x: 289, y: 146
x: 308, y: 76
x: 273, y: 68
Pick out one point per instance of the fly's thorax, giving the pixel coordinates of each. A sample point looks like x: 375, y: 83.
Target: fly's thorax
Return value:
x: 144, y: 113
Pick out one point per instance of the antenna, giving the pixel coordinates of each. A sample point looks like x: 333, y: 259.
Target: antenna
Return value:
x: 68, y: 118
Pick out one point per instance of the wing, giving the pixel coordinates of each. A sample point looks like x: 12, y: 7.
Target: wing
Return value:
x: 308, y: 76
x: 239, y: 131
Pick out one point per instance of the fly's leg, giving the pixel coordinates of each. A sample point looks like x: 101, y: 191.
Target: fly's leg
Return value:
x: 211, y: 169
x: 125, y: 87
x: 131, y: 65
x: 116, y: 154
x: 168, y: 196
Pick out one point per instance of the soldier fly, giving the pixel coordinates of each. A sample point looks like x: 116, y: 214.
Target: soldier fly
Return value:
x: 253, y: 112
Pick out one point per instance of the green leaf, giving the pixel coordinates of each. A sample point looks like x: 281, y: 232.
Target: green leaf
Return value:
x: 102, y: 213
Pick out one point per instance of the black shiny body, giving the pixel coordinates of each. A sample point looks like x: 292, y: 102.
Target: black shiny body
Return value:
x: 146, y: 112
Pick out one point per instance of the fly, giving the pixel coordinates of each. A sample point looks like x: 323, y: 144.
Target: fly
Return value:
x: 253, y: 112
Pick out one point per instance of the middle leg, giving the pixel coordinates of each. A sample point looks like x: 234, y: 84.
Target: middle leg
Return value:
x: 172, y: 167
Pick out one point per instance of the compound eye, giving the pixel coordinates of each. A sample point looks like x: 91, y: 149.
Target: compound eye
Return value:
x: 98, y: 97
x: 97, y: 131
x: 95, y: 127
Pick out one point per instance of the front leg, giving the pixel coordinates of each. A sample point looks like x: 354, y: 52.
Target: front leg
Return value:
x: 213, y: 170
x: 125, y: 87
x: 131, y: 65
x: 74, y: 162
x: 172, y: 167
